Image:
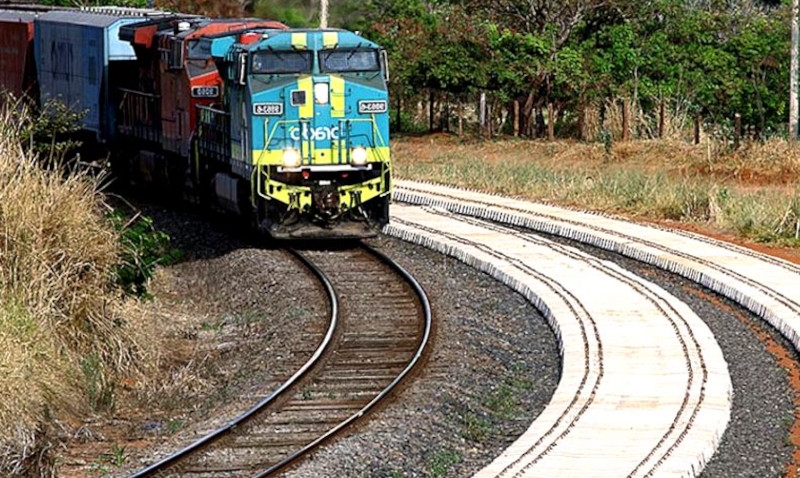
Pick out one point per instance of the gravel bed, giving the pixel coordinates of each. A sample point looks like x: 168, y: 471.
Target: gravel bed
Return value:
x: 237, y: 321
x: 493, y: 367
x: 446, y: 423
x: 755, y: 444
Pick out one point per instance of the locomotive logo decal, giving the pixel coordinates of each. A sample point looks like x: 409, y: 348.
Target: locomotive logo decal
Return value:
x: 317, y: 134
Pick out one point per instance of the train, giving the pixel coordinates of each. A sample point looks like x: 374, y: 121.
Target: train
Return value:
x: 286, y: 128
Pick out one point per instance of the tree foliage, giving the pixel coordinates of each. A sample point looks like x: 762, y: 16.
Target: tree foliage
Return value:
x: 715, y: 58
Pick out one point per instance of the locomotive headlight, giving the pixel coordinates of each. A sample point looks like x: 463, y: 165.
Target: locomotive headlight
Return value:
x: 358, y: 156
x: 322, y: 93
x: 291, y: 158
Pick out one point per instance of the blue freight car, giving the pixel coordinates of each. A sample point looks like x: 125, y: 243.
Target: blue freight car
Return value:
x: 79, y: 55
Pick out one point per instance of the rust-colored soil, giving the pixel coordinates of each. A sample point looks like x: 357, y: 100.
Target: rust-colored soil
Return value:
x: 786, y: 359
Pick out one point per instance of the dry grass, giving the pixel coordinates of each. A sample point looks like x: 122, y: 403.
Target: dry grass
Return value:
x: 751, y: 193
x: 677, y: 122
x: 63, y: 340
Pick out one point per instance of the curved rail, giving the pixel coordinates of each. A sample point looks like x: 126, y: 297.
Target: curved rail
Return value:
x: 380, y: 396
x: 414, y: 355
x: 240, y: 419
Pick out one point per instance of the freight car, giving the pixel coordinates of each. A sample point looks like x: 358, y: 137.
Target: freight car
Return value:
x: 285, y: 127
x: 17, y: 71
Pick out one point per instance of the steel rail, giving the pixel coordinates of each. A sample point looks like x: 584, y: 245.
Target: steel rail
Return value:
x: 426, y: 306
x: 242, y: 418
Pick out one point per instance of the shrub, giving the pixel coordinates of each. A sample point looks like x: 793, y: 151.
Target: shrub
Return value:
x: 144, y: 248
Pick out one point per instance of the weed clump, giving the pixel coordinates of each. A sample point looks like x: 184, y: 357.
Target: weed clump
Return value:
x: 62, y: 337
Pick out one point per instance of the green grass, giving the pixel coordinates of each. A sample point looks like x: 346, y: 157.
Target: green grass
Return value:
x: 441, y: 461
x: 476, y: 427
x: 99, y: 389
x: 502, y: 401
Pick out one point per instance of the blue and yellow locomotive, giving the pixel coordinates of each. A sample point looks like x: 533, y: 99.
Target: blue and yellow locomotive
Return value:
x: 306, y: 115
x: 288, y: 128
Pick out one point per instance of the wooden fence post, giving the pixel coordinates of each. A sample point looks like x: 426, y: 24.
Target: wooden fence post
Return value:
x: 626, y: 121
x: 697, y: 129
x: 482, y: 114
x: 430, y: 110
x: 460, y: 117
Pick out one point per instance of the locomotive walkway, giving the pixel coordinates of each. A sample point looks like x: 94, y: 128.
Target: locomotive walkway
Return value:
x: 644, y: 388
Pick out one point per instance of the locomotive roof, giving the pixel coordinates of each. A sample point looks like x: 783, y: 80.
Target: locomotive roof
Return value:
x: 235, y: 25
x: 316, y: 38
x: 285, y: 39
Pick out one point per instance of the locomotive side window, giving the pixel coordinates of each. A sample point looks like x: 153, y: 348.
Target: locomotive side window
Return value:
x: 349, y: 61
x: 276, y: 62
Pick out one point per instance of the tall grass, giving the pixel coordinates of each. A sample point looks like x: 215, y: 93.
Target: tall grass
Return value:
x: 59, y: 310
x: 753, y: 192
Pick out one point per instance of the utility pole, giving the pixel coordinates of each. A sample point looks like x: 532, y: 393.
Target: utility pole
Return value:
x: 323, y: 13
x: 793, y: 72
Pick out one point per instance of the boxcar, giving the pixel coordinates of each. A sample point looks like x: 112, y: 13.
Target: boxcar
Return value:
x: 79, y: 55
x: 17, y: 69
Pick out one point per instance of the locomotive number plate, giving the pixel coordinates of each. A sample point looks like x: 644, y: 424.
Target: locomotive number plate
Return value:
x: 267, y: 109
x: 205, y: 91
x: 372, y: 106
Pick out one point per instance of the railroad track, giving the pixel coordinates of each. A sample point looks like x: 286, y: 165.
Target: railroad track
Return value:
x: 380, y: 324
x: 590, y: 427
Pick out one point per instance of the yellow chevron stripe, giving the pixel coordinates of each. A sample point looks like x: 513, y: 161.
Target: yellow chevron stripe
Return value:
x: 330, y: 39
x: 337, y: 96
x: 300, y: 41
x: 306, y: 84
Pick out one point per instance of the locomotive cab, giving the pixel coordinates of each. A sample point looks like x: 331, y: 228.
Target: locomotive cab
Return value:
x: 309, y: 123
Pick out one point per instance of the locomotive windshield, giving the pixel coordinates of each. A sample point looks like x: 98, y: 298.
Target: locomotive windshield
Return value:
x: 342, y: 61
x: 276, y: 62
